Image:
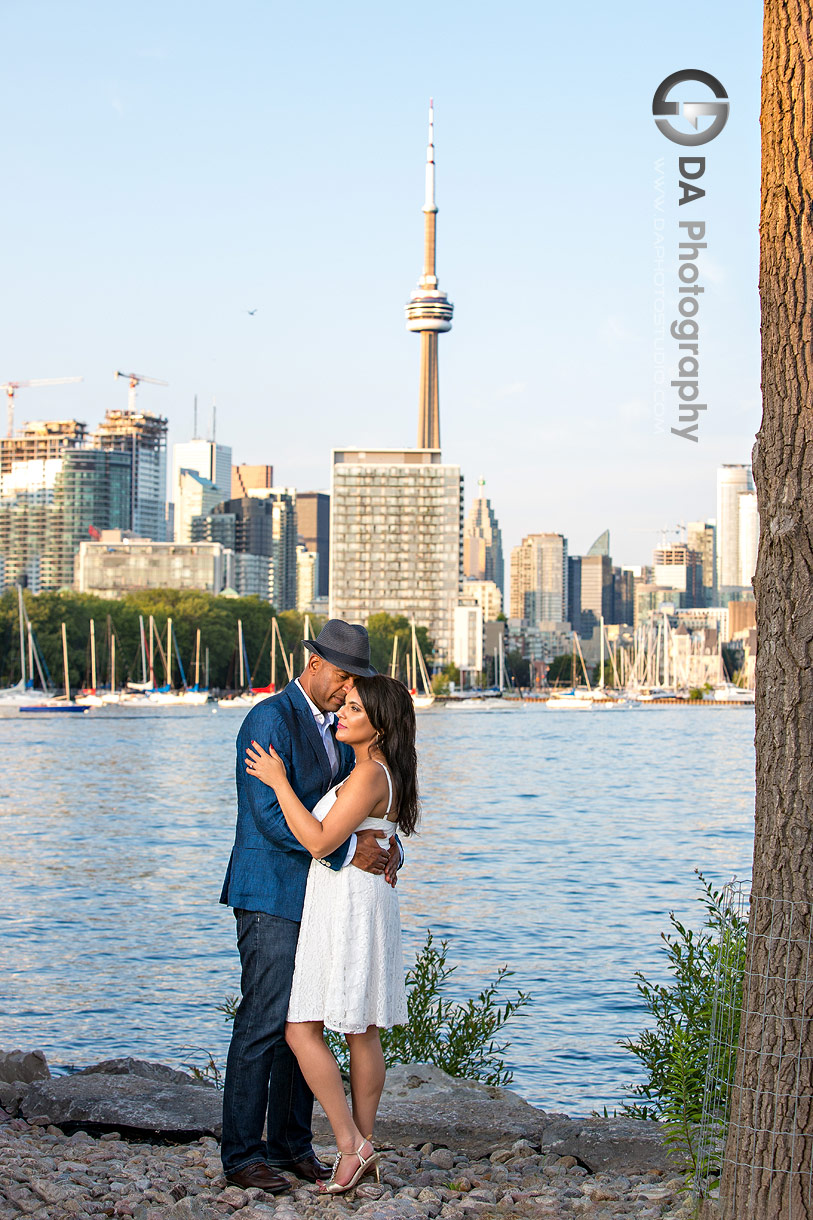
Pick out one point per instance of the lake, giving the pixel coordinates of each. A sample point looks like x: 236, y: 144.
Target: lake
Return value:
x: 553, y: 842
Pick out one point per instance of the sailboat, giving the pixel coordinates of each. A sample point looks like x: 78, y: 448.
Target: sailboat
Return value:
x: 601, y: 697
x: 165, y: 696
x: 22, y: 696
x: 194, y: 696
x: 576, y: 699
x: 90, y: 696
x: 248, y: 696
x: 426, y: 699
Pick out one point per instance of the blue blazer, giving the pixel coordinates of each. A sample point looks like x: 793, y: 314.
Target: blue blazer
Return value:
x: 268, y: 869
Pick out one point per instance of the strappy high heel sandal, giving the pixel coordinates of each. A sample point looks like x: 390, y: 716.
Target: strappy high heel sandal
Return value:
x: 367, y: 1164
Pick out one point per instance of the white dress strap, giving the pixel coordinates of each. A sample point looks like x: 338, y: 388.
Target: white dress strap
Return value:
x: 389, y: 782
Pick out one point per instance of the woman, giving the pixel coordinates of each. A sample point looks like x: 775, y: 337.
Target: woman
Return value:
x: 349, y: 974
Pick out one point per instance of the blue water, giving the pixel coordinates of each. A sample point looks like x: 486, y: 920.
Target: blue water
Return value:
x: 553, y: 842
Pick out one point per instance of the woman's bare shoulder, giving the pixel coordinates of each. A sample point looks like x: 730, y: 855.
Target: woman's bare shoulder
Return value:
x: 367, y: 774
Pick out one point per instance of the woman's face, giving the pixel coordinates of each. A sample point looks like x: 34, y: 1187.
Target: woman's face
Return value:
x: 353, y: 726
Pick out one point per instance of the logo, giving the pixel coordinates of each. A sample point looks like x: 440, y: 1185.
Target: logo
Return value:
x: 692, y: 111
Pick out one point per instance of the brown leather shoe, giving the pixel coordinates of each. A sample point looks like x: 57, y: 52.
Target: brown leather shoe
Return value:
x: 260, y: 1176
x: 310, y: 1168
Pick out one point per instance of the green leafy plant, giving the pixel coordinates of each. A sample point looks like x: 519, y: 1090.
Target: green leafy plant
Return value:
x: 675, y: 1051
x: 460, y: 1038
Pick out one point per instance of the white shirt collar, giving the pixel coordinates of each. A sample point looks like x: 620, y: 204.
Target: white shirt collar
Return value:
x: 319, y: 716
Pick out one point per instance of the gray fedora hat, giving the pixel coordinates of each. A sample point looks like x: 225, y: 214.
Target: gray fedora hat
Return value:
x: 345, y: 645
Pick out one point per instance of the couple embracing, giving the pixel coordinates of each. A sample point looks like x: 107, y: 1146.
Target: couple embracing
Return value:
x: 326, y: 772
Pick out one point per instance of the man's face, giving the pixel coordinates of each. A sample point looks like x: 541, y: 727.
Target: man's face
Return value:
x: 328, y: 685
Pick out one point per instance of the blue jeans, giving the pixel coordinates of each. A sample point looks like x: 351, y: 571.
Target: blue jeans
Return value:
x: 263, y: 1081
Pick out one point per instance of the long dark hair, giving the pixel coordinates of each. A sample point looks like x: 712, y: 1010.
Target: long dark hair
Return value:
x: 390, y: 710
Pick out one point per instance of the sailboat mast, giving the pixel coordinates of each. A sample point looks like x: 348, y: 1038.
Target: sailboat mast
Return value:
x: 22, y: 634
x: 152, y: 653
x: 601, y: 654
x: 143, y: 649
x: 394, y: 662
x: 240, y: 651
x: 113, y: 663
x: 92, y: 656
x: 65, y: 663
x: 414, y: 686
x: 169, y: 653
x: 197, y: 659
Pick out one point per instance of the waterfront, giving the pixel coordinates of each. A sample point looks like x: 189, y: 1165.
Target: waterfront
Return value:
x: 556, y: 844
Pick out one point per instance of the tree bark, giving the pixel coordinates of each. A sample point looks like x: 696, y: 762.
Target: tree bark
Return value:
x: 768, y: 1170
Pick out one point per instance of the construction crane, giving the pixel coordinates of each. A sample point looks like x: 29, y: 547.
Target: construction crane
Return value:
x: 11, y: 386
x: 134, y: 379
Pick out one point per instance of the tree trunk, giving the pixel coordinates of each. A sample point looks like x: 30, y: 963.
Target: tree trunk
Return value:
x: 768, y: 1172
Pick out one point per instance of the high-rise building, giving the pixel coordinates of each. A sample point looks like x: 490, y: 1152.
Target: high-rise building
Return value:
x: 144, y: 436
x: 246, y: 478
x: 482, y: 542
x: 487, y: 596
x: 313, y: 522
x: 307, y: 577
x: 41, y: 441
x: 732, y: 482
x: 574, y: 592
x: 395, y: 539
x: 623, y: 596
x: 749, y: 536
x: 49, y: 505
x: 207, y: 459
x: 596, y: 582
x: 260, y: 524
x: 429, y: 311
x: 468, y: 639
x: 679, y: 568
x: 701, y: 536
x: 194, y: 497
x: 539, y: 572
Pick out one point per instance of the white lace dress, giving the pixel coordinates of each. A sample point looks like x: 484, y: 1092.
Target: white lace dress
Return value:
x: 349, y: 969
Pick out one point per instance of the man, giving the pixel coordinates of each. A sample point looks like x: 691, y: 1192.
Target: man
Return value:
x: 265, y: 884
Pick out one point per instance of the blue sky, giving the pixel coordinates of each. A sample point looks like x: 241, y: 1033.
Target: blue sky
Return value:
x: 171, y: 166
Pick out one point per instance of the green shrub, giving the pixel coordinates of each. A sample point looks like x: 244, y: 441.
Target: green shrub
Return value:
x: 675, y: 1052
x: 459, y: 1038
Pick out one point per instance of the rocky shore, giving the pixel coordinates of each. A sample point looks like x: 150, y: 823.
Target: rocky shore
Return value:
x: 80, y: 1169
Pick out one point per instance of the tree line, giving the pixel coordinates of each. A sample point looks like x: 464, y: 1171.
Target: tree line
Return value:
x: 190, y: 610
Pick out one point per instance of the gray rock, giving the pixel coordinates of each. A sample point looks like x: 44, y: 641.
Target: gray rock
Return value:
x: 421, y: 1104
x: 140, y: 1067
x: 23, y: 1066
x: 133, y: 1103
x: 11, y: 1095
x: 609, y: 1145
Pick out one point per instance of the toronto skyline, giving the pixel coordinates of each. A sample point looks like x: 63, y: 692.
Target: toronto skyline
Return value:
x: 229, y: 205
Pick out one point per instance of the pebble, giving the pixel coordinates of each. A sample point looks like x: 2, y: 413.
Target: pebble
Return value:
x: 50, y: 1176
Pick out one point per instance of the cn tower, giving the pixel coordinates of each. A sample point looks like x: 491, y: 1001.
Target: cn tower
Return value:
x: 429, y: 311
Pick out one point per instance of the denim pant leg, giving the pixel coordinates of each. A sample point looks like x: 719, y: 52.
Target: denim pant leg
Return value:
x: 263, y: 1080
